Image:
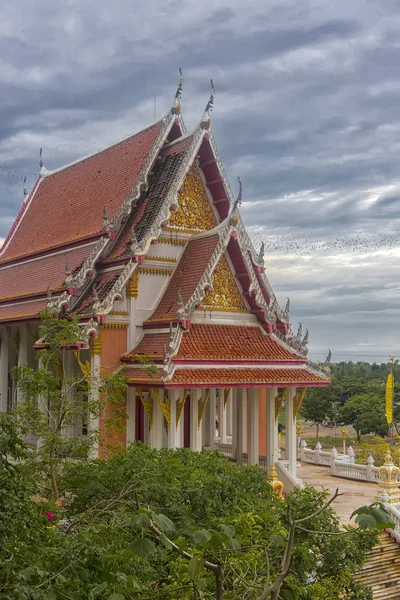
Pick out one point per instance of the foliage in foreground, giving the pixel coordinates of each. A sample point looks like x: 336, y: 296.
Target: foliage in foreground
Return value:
x: 145, y: 524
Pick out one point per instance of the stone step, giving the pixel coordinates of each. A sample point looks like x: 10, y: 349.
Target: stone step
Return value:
x: 381, y: 571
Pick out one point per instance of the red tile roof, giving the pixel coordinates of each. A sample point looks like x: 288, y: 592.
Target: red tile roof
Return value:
x: 231, y: 342
x: 215, y: 377
x: 103, y: 284
x: 279, y: 377
x: 68, y: 205
x: 34, y: 276
x: 186, y: 277
x: 217, y: 342
x: 21, y: 310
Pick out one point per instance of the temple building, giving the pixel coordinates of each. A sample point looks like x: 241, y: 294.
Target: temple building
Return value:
x: 144, y: 241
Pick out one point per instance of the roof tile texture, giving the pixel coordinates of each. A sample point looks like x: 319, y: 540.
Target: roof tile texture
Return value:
x: 34, y: 276
x: 186, y: 276
x: 23, y: 310
x: 69, y: 204
x: 231, y: 342
x: 254, y: 376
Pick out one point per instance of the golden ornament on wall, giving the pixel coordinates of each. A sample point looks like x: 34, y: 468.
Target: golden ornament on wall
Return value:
x: 194, y: 210
x: 225, y: 293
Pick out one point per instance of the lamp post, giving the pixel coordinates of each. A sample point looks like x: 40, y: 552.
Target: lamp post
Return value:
x: 344, y: 435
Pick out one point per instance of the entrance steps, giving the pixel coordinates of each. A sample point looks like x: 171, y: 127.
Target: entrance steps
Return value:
x: 381, y: 570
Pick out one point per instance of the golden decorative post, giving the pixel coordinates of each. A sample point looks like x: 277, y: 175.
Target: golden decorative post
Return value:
x: 298, y: 431
x: 344, y: 435
x: 389, y: 491
x: 277, y: 485
x: 389, y: 395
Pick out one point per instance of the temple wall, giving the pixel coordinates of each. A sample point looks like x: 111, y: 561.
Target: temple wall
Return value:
x: 113, y: 340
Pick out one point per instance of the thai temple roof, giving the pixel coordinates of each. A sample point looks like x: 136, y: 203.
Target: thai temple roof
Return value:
x: 88, y: 229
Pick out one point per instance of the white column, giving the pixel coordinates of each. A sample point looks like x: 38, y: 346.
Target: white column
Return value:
x: 209, y: 423
x: 156, y: 432
x: 272, y: 429
x: 241, y: 444
x: 234, y: 404
x: 290, y: 432
x: 252, y: 411
x: 74, y: 428
x: 172, y: 433
x: 131, y: 413
x: 94, y: 420
x: 23, y: 352
x: 221, y: 417
x: 195, y: 430
x: 132, y: 289
x: 229, y: 417
x: 4, y: 370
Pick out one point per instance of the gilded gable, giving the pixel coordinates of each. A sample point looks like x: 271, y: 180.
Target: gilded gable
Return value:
x: 225, y: 294
x: 194, y: 211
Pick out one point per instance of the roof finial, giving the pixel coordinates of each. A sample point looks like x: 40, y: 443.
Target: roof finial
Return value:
x: 261, y: 252
x: 48, y: 292
x: 95, y: 295
x: 305, y: 339
x: 328, y: 359
x: 287, y: 307
x: 25, y: 190
x: 238, y: 200
x: 176, y: 106
x: 67, y: 270
x: 41, y: 165
x: 299, y: 331
x: 206, y: 120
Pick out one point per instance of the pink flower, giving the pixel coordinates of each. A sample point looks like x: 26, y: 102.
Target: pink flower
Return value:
x: 49, y: 515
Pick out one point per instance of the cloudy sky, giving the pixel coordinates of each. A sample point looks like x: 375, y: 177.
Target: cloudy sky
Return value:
x: 307, y: 112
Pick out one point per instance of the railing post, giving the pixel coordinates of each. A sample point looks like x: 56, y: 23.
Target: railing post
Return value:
x: 303, y: 447
x: 370, y: 464
x: 318, y: 448
x: 334, y: 454
x: 350, y: 453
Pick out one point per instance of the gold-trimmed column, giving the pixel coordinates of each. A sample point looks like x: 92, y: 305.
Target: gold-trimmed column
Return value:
x: 95, y: 354
x: 132, y: 291
x: 272, y: 428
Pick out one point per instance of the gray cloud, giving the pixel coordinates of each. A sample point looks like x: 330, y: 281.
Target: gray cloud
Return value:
x: 307, y: 112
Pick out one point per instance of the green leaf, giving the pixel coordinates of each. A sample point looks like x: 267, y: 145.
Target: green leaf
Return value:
x: 142, y: 520
x: 195, y: 566
x: 201, y: 536
x: 228, y: 530
x: 97, y: 590
x: 366, y: 521
x: 116, y: 596
x: 163, y: 522
x: 142, y: 547
x: 165, y: 541
x: 232, y: 544
x: 277, y: 540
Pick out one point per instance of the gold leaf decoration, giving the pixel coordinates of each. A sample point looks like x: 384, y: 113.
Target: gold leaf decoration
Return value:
x: 225, y: 293
x: 147, y: 405
x: 194, y: 211
x: 278, y: 403
x: 201, y: 406
x: 180, y: 403
x: 297, y: 401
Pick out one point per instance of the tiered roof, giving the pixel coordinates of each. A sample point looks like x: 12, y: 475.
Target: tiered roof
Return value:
x: 85, y: 228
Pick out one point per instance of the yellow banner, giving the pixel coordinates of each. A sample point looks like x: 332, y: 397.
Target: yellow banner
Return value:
x: 389, y: 398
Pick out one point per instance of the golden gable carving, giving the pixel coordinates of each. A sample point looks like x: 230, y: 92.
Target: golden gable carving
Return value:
x: 194, y: 211
x: 225, y: 294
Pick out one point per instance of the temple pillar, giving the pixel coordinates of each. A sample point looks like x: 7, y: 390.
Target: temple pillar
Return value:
x: 221, y: 416
x: 173, y: 437
x: 69, y: 392
x: 252, y: 412
x: 209, y: 419
x: 195, y: 427
x: 290, y: 432
x: 131, y: 412
x: 241, y: 425
x: 94, y: 420
x: 22, y: 353
x: 4, y: 341
x: 229, y: 416
x: 156, y: 432
x: 272, y: 429
x: 132, y: 290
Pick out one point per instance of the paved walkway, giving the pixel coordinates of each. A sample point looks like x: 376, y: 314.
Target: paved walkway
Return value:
x: 355, y: 493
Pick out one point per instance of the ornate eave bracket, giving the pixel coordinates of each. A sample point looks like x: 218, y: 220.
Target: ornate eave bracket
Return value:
x: 117, y: 292
x: 75, y: 281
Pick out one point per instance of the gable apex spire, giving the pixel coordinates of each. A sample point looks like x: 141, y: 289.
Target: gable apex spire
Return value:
x: 206, y: 119
x: 176, y: 105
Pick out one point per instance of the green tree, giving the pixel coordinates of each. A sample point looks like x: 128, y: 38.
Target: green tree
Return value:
x: 319, y: 406
x: 51, y: 402
x: 366, y: 413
